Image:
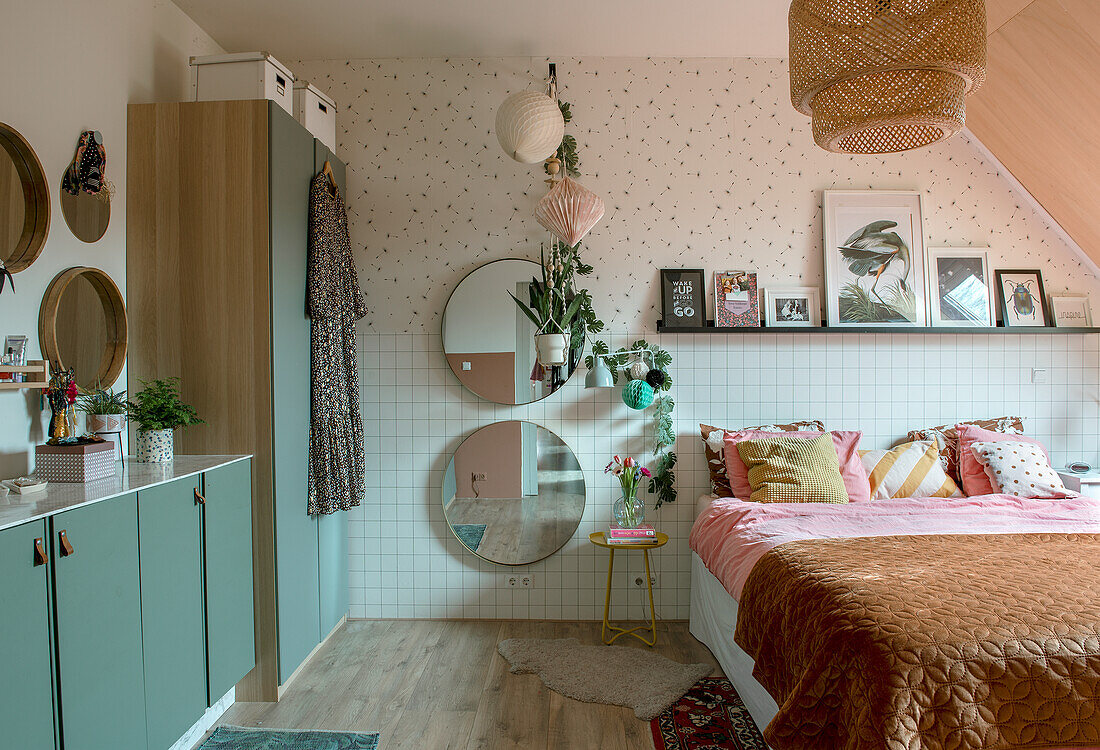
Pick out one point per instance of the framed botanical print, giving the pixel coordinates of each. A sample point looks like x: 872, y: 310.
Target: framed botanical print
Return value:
x: 874, y: 258
x: 959, y: 288
x: 1021, y: 299
x: 792, y: 307
x: 1071, y: 312
x: 683, y: 298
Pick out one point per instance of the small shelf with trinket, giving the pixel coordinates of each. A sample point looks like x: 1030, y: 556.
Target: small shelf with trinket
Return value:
x: 35, y: 375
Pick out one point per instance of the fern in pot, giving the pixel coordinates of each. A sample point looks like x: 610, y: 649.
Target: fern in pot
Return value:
x: 104, y: 409
x: 553, y: 310
x: 159, y: 411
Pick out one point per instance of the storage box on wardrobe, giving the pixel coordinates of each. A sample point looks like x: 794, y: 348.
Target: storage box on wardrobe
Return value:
x: 245, y: 75
x: 316, y: 112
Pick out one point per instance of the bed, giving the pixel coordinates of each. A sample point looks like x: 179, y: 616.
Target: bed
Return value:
x: 906, y: 624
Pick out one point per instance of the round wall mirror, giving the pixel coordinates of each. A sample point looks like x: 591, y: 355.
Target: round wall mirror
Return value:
x: 82, y: 324
x: 24, y: 202
x: 513, y: 493
x: 85, y: 195
x: 490, y: 343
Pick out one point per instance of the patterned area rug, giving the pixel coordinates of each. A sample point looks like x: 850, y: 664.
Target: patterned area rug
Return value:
x: 470, y: 534
x: 242, y: 738
x: 711, y: 716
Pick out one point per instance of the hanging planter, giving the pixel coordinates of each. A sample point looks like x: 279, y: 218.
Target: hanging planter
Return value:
x: 552, y: 349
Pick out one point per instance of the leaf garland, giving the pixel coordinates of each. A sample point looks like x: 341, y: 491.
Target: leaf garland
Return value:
x: 567, y: 151
x: 663, y: 482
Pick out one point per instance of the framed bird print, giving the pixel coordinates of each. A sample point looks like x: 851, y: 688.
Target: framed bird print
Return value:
x: 874, y: 259
x: 1021, y: 298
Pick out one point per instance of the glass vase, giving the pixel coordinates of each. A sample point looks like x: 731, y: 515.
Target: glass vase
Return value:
x: 629, y: 512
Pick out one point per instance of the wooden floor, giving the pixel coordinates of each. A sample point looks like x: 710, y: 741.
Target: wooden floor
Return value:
x: 435, y: 684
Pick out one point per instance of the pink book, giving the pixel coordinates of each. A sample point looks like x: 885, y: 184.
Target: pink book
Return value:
x: 641, y: 531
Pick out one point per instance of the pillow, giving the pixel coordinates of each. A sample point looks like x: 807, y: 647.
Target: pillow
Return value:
x: 972, y: 473
x: 947, y: 439
x: 793, y: 470
x: 908, y: 470
x: 713, y: 448
x: 845, y: 442
x: 1018, y: 468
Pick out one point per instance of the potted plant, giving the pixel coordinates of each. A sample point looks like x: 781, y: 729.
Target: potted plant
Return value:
x: 158, y: 411
x: 104, y: 409
x: 553, y: 308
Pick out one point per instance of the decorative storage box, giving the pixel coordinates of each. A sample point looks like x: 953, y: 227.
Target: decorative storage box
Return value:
x: 316, y: 112
x: 74, y: 463
x: 245, y: 75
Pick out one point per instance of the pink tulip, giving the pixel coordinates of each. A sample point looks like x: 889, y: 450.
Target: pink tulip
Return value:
x: 628, y: 462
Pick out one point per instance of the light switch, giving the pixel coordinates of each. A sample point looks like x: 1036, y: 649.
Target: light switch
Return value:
x: 467, y: 366
x: 1038, y: 375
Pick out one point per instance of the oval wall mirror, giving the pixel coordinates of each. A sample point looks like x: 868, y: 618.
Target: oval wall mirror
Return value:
x: 490, y: 343
x: 85, y: 195
x: 82, y: 324
x: 513, y: 493
x: 24, y: 202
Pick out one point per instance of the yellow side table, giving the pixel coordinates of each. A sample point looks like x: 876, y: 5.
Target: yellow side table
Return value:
x: 597, y: 538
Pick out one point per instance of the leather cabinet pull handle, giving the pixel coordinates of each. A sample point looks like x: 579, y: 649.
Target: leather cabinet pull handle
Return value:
x: 199, y: 499
x: 66, y: 546
x: 39, y: 552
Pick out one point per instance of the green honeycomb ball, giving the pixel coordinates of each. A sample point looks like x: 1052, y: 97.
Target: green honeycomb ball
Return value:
x: 637, y: 394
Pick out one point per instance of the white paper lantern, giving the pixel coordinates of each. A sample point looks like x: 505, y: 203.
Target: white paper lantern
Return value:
x: 529, y: 126
x: 569, y: 211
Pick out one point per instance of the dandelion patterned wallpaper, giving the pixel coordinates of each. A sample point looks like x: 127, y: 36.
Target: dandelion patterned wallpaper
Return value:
x: 701, y: 163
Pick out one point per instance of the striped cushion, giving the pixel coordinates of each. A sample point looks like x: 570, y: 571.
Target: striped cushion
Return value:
x: 909, y: 470
x: 793, y: 470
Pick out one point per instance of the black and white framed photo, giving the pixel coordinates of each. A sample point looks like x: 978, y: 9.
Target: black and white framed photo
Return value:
x: 1071, y: 312
x: 792, y: 307
x: 959, y: 288
x: 874, y: 258
x: 1021, y: 298
x: 683, y: 298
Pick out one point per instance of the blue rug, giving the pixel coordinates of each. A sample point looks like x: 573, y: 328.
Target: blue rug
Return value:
x: 470, y: 534
x: 240, y: 738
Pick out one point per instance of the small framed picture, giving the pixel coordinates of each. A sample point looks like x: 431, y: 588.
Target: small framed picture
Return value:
x: 874, y: 258
x: 1071, y: 312
x: 792, y: 307
x: 683, y: 298
x: 1021, y: 299
x: 736, y: 300
x: 959, y: 286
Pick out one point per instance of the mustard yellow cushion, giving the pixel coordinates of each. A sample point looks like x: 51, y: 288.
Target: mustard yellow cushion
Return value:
x: 793, y: 470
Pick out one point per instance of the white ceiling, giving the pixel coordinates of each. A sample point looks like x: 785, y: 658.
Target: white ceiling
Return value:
x: 351, y: 29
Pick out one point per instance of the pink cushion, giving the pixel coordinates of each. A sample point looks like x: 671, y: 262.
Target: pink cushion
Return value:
x: 847, y: 451
x: 971, y: 471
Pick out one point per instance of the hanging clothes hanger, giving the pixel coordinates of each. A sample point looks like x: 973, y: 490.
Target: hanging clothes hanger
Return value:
x: 327, y: 172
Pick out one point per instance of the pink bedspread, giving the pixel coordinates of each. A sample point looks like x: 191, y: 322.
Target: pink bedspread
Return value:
x: 732, y: 535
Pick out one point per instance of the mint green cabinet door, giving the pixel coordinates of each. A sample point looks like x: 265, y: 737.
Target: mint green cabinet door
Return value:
x: 98, y: 604
x: 170, y: 556
x: 26, y: 689
x: 227, y: 522
x: 296, y: 573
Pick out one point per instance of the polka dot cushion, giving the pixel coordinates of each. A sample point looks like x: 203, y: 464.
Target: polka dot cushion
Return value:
x: 793, y: 470
x: 1020, y: 469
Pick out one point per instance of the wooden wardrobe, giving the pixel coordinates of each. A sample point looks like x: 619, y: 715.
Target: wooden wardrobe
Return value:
x: 217, y: 201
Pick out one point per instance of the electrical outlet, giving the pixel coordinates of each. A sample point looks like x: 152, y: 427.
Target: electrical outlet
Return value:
x: 640, y: 581
x: 479, y: 476
x: 527, y: 581
x: 1038, y: 375
x: 512, y: 581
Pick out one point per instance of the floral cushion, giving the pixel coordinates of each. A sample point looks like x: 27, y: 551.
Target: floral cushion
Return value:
x: 946, y: 438
x: 714, y: 446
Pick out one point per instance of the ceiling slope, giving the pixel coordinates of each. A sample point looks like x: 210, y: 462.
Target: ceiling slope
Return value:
x: 1039, y: 111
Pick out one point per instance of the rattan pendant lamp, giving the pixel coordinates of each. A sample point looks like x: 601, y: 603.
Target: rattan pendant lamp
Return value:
x: 880, y: 76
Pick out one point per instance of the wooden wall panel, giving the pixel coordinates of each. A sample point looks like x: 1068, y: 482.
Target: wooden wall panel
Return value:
x: 1039, y: 109
x: 198, y: 282
x: 998, y: 12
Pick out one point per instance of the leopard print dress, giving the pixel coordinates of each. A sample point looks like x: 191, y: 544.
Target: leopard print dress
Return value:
x: 335, y: 302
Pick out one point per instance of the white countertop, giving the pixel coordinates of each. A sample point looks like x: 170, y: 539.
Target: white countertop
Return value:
x: 59, y: 496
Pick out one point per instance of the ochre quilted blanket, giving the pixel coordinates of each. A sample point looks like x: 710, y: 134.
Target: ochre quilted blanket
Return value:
x: 928, y: 642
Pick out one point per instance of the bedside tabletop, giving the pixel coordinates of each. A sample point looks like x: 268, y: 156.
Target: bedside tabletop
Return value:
x: 598, y: 539
x: 1087, y: 483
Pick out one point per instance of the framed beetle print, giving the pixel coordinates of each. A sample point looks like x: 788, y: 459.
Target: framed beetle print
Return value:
x: 1021, y: 299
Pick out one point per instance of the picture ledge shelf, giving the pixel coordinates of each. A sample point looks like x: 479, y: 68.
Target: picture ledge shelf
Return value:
x: 918, y: 330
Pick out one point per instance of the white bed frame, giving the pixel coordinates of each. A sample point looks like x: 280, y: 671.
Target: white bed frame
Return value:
x: 713, y: 620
